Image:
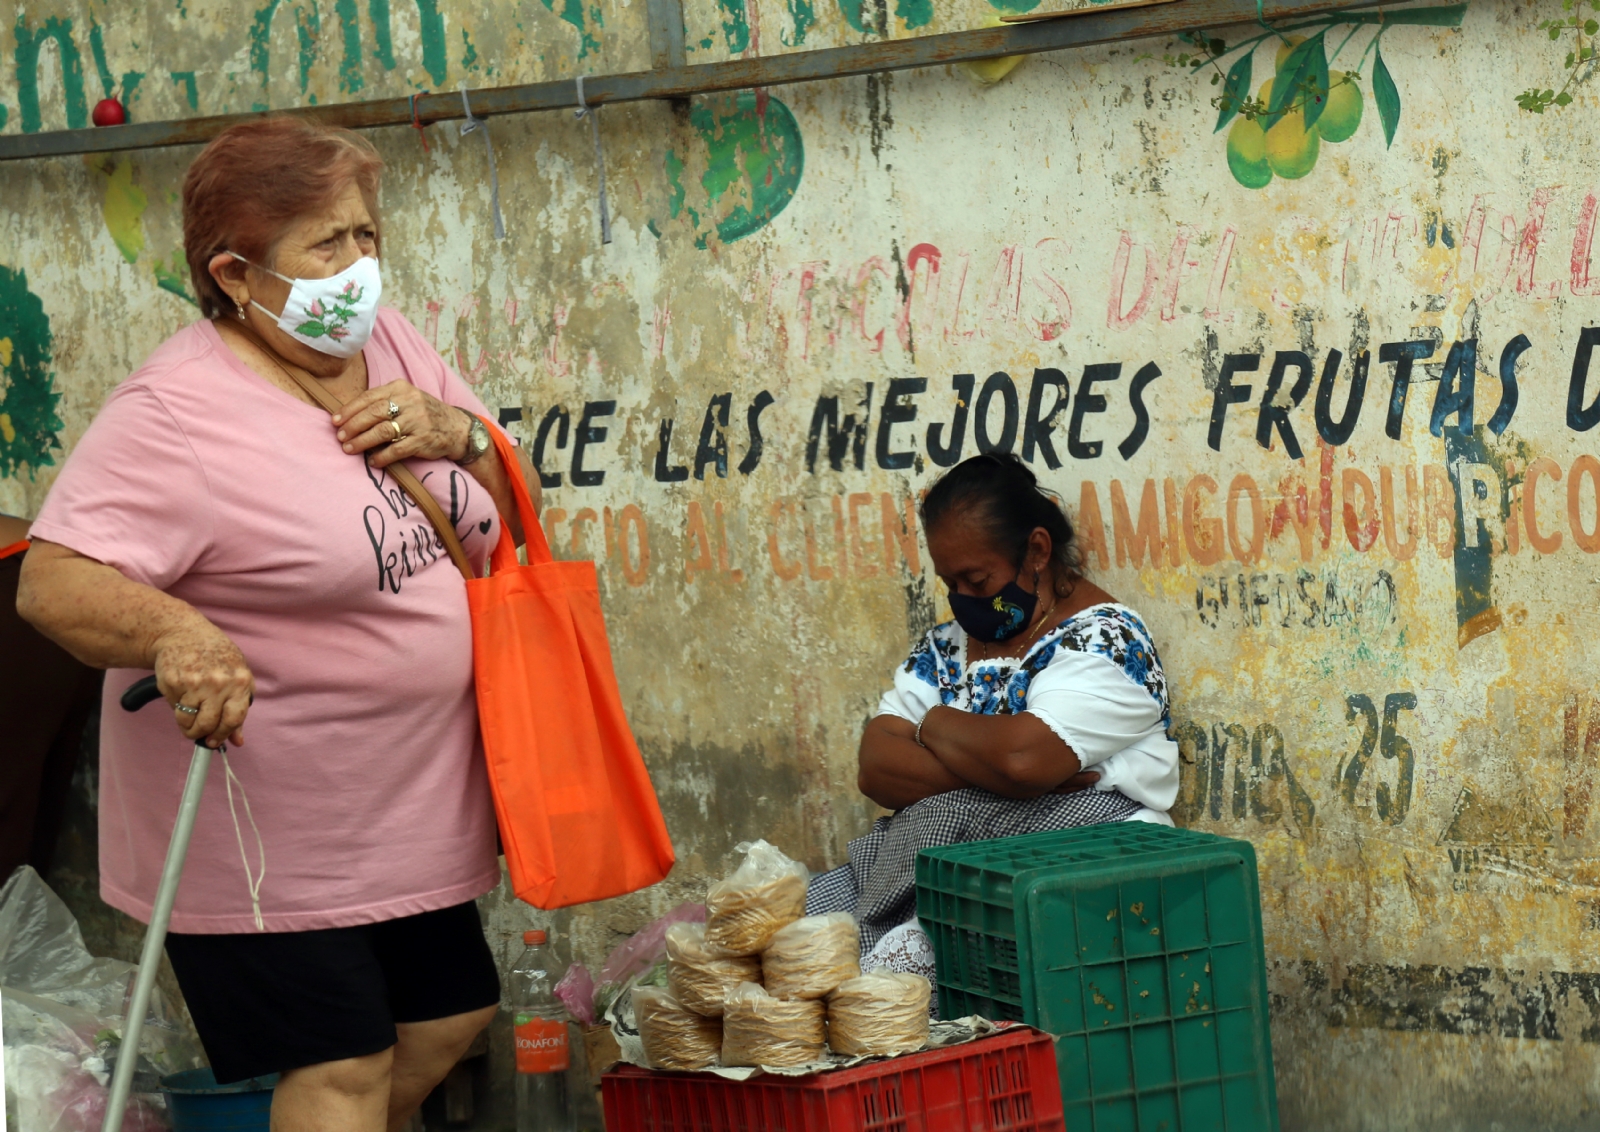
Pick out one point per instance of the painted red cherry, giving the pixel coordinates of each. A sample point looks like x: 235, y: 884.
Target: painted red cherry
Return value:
x: 109, y: 112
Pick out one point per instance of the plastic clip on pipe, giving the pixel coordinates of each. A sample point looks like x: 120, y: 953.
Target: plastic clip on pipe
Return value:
x: 479, y: 124
x: 584, y: 110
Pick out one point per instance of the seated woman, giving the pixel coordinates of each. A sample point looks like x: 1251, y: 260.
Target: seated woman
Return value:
x: 996, y: 719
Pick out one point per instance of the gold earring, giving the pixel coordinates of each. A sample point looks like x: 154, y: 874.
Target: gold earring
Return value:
x: 240, y: 306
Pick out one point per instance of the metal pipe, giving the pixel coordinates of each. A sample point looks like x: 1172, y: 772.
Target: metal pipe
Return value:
x: 681, y: 81
x: 666, y: 34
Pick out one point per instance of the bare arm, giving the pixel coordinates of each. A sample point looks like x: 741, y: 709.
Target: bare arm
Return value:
x: 1016, y: 756
x: 894, y: 771
x: 107, y: 620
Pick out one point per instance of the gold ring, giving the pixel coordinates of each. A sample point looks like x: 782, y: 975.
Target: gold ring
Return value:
x: 398, y: 435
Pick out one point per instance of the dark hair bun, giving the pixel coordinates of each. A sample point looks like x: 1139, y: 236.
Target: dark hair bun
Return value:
x: 1005, y: 495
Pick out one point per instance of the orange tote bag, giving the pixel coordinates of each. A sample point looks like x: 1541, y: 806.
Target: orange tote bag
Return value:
x: 579, y: 818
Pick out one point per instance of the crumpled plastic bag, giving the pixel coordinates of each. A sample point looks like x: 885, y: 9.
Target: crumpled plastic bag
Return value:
x: 674, y: 1038
x: 641, y: 959
x: 880, y: 1014
x: 576, y: 992
x: 758, y: 1029
x: 701, y: 976
x: 765, y: 893
x: 811, y: 956
x: 62, y: 1020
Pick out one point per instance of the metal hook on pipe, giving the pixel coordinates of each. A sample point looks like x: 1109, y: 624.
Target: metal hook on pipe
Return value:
x: 467, y: 127
x: 584, y: 110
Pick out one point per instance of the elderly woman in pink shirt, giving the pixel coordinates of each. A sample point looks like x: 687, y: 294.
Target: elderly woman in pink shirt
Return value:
x: 219, y: 528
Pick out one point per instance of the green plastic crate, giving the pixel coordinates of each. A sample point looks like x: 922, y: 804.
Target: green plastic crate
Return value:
x: 1138, y: 946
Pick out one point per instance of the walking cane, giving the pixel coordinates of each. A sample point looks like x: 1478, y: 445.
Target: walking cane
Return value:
x: 160, y: 913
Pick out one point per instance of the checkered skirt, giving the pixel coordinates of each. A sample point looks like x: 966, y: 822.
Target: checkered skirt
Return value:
x: 879, y: 885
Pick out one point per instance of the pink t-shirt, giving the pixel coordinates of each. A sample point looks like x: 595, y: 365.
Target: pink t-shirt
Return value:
x: 361, y: 759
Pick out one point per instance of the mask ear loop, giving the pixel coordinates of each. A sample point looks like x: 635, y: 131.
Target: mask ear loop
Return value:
x: 494, y: 177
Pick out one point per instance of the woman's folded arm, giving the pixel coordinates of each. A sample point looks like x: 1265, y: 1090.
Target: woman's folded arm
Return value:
x: 894, y: 771
x: 1015, y: 756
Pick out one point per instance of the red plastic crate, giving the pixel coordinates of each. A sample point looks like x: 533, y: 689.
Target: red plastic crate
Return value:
x: 1004, y: 1082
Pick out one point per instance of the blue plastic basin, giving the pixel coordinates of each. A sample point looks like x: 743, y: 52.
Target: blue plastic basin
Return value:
x: 199, y: 1104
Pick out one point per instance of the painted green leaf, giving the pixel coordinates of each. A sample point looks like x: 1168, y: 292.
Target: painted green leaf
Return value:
x: 1386, y: 96
x: 1315, y: 82
x: 1286, y: 85
x: 28, y: 400
x: 1235, y: 90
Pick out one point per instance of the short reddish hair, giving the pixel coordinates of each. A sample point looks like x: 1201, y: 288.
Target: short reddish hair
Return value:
x: 255, y: 180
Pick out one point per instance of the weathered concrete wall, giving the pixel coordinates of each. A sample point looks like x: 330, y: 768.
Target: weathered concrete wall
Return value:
x: 1382, y: 650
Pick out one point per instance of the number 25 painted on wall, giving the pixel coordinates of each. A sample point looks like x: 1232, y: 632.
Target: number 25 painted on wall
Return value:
x: 1392, y: 804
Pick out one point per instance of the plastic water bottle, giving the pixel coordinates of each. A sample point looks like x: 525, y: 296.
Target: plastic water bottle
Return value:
x: 541, y: 1039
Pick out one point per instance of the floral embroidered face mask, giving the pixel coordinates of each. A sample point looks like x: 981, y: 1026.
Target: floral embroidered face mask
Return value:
x: 334, y: 315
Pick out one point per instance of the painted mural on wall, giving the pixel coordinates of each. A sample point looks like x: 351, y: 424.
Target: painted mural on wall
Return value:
x: 1280, y: 129
x: 1334, y: 438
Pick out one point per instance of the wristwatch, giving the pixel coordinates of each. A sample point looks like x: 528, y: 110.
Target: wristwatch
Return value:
x: 477, y: 441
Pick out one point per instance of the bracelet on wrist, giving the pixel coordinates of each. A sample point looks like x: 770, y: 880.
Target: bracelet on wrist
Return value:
x: 923, y: 720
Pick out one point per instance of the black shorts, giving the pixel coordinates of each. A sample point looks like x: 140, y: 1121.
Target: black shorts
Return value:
x: 268, y: 1002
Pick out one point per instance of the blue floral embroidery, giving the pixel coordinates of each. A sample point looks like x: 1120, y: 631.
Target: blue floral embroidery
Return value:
x: 1001, y: 687
x: 937, y: 661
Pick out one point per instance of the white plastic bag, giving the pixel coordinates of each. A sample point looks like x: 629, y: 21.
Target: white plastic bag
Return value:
x: 811, y: 956
x: 63, y: 1017
x: 765, y: 893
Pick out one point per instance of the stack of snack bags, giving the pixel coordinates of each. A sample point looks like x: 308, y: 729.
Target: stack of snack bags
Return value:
x: 762, y: 984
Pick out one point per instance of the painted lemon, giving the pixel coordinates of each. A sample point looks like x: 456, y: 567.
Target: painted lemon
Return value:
x: 1247, y: 154
x: 987, y: 72
x: 1343, y: 113
x: 1283, y: 52
x: 1291, y: 148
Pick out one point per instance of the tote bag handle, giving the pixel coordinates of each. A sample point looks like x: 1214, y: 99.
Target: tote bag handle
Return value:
x: 430, y: 506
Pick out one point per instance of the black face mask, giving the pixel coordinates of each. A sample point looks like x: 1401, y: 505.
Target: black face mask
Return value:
x: 998, y: 617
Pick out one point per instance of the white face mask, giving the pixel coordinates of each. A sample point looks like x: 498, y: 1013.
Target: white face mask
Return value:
x: 334, y: 315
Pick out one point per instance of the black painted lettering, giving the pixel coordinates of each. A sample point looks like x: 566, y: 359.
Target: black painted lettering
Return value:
x: 752, y: 420
x: 948, y: 453
x: 558, y: 417
x: 1086, y: 402
x: 1036, y: 428
x: 666, y: 471
x: 713, y: 447
x: 897, y: 409
x: 1000, y: 385
x: 1579, y: 418
x: 1275, y: 416
x: 589, y: 434
x: 1457, y: 386
x: 1141, y: 415
x: 1403, y: 355
x: 1227, y: 393
x: 1335, y: 432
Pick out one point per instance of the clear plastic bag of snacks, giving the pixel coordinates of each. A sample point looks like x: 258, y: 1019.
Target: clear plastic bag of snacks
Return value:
x: 880, y: 1014
x: 674, y: 1038
x: 811, y: 956
x: 758, y: 1029
x: 701, y: 976
x: 765, y: 893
